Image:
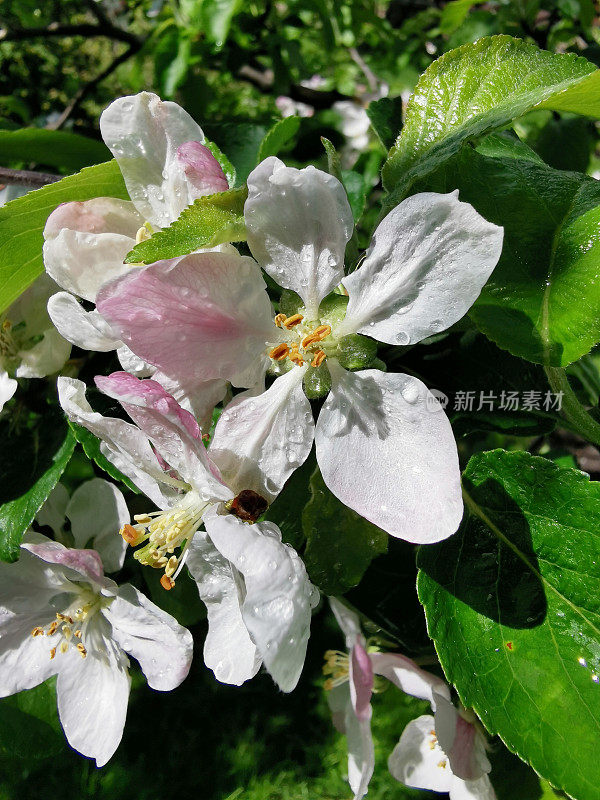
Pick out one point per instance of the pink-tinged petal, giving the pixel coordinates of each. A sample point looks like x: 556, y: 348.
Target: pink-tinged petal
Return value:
x: 408, y: 676
x: 98, y: 215
x: 386, y: 449
x: 122, y: 443
x: 481, y: 789
x: 461, y: 741
x: 428, y: 261
x: 348, y: 622
x: 259, y: 441
x: 86, y: 329
x: 299, y: 222
x: 97, y: 512
x: 207, y: 315
x: 197, y: 397
x: 228, y: 649
x: 154, y: 638
x: 201, y: 168
x: 86, y: 563
x: 361, y: 681
x: 279, y: 597
x: 418, y: 761
x: 173, y: 431
x: 144, y: 134
x: 92, y: 695
x: 86, y: 243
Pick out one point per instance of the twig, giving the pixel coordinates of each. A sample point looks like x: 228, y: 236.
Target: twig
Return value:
x: 25, y: 177
x: 55, y: 30
x: 86, y: 88
x: 364, y: 67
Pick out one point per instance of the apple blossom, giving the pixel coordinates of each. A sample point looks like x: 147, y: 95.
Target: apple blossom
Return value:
x: 165, y: 166
x: 258, y: 595
x: 209, y: 314
x: 351, y: 685
x: 59, y: 615
x: 30, y: 346
x: 95, y: 511
x: 444, y: 753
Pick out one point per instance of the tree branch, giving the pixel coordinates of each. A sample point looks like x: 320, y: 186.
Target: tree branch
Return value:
x: 25, y: 177
x: 57, y: 30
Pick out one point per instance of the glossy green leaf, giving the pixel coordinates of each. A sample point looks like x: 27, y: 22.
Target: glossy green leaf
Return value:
x: 513, y: 606
x: 540, y: 302
x: 211, y: 17
x: 286, y: 509
x: 454, y: 14
x: 241, y: 141
x: 29, y: 726
x: 386, y: 119
x: 209, y: 221
x: 339, y: 542
x: 58, y: 149
x: 22, y: 223
x: 278, y: 136
x: 32, y: 459
x: 477, y: 88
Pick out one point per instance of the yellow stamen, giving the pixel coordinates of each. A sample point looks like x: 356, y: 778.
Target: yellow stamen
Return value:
x: 323, y: 331
x: 279, y: 352
x: 131, y: 535
x: 296, y: 358
x: 52, y: 653
x: 81, y: 649
x: 37, y: 631
x: 167, y: 583
x: 290, y: 322
x: 318, y: 359
x: 280, y: 319
x: 442, y: 764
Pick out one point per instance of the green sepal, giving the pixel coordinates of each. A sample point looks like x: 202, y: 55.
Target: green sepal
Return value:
x: 356, y: 351
x: 290, y: 303
x: 317, y: 382
x: 333, y: 309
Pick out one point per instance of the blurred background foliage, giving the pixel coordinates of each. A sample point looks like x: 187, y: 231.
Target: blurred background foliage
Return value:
x: 238, y: 66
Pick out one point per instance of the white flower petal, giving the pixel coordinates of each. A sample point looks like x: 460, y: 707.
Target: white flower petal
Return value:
x: 406, y: 675
x: 428, y: 261
x: 417, y: 758
x: 298, y: 222
x: 144, y: 133
x: 45, y: 357
x: 92, y: 694
x: 348, y: 622
x: 361, y: 754
x: 24, y: 659
x: 82, y: 262
x: 97, y: 512
x: 279, y: 596
x: 53, y: 512
x: 8, y: 386
x: 29, y: 584
x: 86, y: 329
x: 340, y: 702
x: 386, y: 449
x: 122, y: 443
x: 228, y: 650
x: 259, y: 441
x: 480, y: 789
x: 162, y: 646
x: 133, y: 364
x: 197, y: 397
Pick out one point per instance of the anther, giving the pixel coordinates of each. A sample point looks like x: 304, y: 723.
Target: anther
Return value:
x: 52, y: 628
x: 81, y: 649
x: 52, y: 653
x: 143, y: 519
x: 280, y: 352
x: 318, y: 359
x: 167, y: 583
x: 323, y: 331
x: 37, y: 631
x: 130, y: 534
x: 171, y: 566
x: 296, y: 358
x: 290, y: 322
x: 279, y: 320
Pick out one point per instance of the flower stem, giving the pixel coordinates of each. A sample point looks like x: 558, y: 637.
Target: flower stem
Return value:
x: 571, y: 408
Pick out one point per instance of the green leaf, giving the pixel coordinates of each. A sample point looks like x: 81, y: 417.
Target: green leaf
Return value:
x: 540, y: 300
x: 212, y: 17
x: 286, y: 509
x: 241, y: 141
x: 340, y: 543
x: 59, y: 149
x: 454, y: 14
x: 209, y: 221
x: 22, y: 223
x: 91, y: 447
x: 29, y: 726
x: 513, y: 605
x: 386, y: 119
x: 31, y: 462
x: 477, y: 88
x: 566, y: 143
x: 278, y: 136
x: 182, y: 601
